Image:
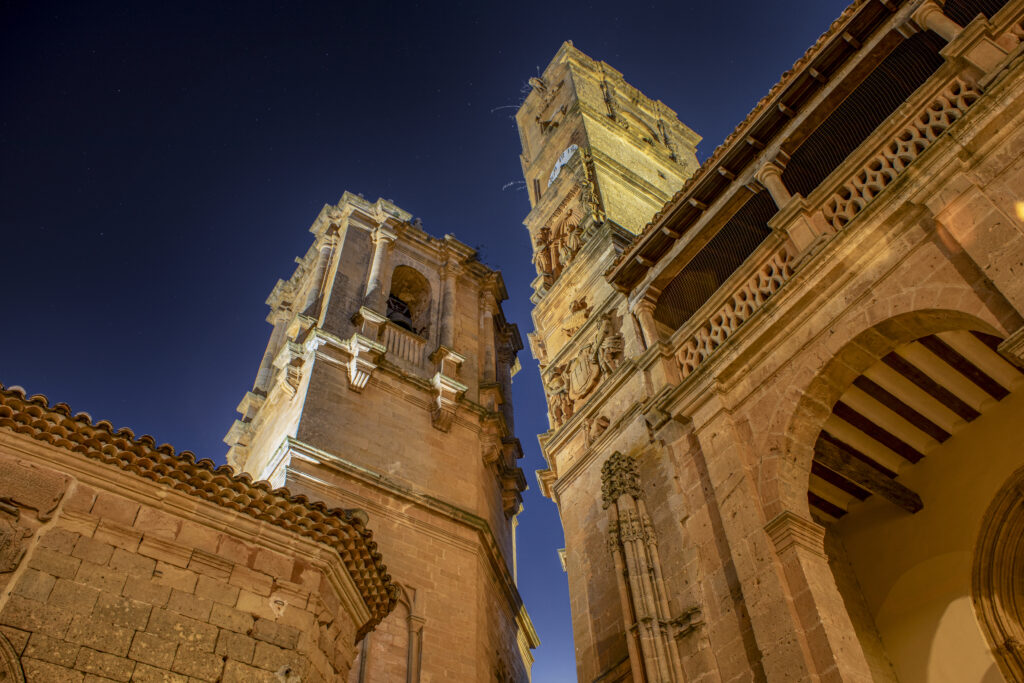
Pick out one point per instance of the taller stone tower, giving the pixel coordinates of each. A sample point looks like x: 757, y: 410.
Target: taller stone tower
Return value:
x: 385, y: 387
x: 600, y: 159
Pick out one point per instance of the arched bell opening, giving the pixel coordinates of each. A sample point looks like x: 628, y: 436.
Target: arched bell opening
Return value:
x: 905, y: 466
x: 409, y: 302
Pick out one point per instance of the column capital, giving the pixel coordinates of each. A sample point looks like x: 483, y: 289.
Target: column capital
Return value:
x: 382, y: 233
x: 788, y: 530
x: 770, y: 175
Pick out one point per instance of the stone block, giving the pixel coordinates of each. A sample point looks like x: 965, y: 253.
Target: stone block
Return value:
x: 205, y: 564
x: 257, y: 605
x: 115, y: 508
x: 133, y: 564
x: 231, y: 619
x: 33, y: 616
x: 162, y: 550
x: 174, y: 626
x: 153, y: 650
x: 237, y: 672
x: 145, y: 673
x: 73, y: 597
x: 235, y: 646
x: 51, y: 650
x: 111, y: 667
x: 118, y: 535
x: 37, y: 670
x: 153, y: 522
x: 190, y: 605
x: 104, y: 637
x: 198, y: 537
x: 217, y: 591
x: 282, y: 661
x: 175, y: 577
x: 92, y: 550
x: 61, y: 540
x: 53, y: 562
x: 278, y: 634
x: 35, y: 585
x: 101, y: 577
x: 197, y: 663
x: 234, y: 550
x: 272, y: 563
x: 122, y: 611
x: 250, y: 580
x: 147, y: 591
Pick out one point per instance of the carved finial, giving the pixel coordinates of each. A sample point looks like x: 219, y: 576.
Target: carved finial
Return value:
x: 620, y: 476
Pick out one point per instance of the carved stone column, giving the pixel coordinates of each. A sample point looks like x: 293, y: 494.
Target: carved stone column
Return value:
x: 375, y: 291
x: 929, y: 16
x: 449, y: 277
x: 488, y: 304
x: 770, y: 175
x: 317, y: 281
x: 644, y: 310
x: 652, y: 649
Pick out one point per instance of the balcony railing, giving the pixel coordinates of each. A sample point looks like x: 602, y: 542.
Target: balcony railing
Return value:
x: 404, y: 345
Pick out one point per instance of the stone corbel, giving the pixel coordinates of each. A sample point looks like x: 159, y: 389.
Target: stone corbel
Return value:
x: 447, y: 394
x: 369, y: 323
x: 289, y: 362
x: 447, y: 362
x: 546, y: 480
x: 803, y: 228
x: 363, y: 356
x: 513, y: 483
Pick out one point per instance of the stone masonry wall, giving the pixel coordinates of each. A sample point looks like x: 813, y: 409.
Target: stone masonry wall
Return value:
x: 106, y: 575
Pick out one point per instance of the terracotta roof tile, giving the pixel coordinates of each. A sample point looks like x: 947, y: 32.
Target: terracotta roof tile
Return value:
x: 343, y: 530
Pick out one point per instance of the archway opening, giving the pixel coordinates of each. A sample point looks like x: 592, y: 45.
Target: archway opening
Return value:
x: 409, y: 302
x: 905, y: 466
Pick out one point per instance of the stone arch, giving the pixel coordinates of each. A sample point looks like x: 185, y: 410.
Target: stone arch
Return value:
x: 998, y: 577
x: 392, y: 653
x: 410, y: 301
x: 883, y: 327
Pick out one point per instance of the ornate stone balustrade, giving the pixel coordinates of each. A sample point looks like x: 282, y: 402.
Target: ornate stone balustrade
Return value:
x: 748, y: 298
x: 899, y: 152
x: 403, y: 344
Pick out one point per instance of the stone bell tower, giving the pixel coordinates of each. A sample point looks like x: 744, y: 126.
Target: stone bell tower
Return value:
x: 385, y: 387
x: 600, y: 158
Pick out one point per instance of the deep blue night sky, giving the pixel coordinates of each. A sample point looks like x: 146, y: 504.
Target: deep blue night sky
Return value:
x: 159, y: 168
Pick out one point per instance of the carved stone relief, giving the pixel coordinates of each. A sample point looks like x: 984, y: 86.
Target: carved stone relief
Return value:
x: 558, y: 241
x: 596, y: 359
x: 10, y: 664
x: 579, y: 311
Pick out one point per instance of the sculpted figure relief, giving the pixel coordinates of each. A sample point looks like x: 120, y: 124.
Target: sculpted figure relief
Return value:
x: 554, y: 248
x: 558, y: 397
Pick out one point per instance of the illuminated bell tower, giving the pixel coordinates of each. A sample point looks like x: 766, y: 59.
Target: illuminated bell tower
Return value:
x: 600, y: 158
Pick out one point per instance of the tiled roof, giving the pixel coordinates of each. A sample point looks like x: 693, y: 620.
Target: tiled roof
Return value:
x: 741, y: 130
x: 343, y: 530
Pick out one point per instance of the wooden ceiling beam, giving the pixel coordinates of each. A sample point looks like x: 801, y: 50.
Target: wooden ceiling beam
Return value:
x: 865, y: 476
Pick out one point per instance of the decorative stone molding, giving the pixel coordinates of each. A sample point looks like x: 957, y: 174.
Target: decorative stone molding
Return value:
x: 369, y: 322
x: 908, y: 144
x: 363, y: 361
x: 747, y: 300
x: 289, y: 362
x: 789, y: 530
x: 10, y: 663
x: 447, y: 362
x: 447, y: 394
x: 620, y: 476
